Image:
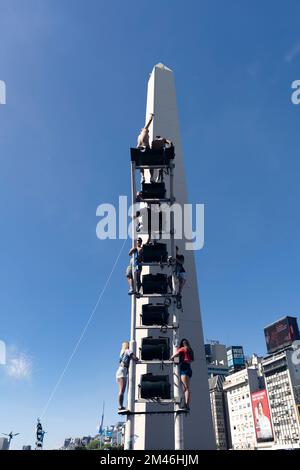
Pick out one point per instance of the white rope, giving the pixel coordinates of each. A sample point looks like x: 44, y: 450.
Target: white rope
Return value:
x: 82, y: 334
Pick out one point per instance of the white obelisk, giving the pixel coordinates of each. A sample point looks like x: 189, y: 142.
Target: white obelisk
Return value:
x: 157, y: 431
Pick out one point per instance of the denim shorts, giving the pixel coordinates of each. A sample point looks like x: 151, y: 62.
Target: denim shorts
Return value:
x: 185, y: 369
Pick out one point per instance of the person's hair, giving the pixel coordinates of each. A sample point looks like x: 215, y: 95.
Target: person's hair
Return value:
x: 184, y: 340
x: 188, y: 346
x: 125, y: 345
x: 260, y: 403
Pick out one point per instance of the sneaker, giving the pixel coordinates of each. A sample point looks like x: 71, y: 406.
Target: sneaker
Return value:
x: 130, y: 292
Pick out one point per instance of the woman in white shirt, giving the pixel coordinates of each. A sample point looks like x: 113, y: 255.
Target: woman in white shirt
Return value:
x: 122, y: 373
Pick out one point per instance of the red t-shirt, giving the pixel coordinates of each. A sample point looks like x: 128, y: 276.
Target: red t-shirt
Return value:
x: 185, y: 354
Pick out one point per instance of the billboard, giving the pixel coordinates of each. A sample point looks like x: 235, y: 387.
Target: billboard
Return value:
x: 281, y: 334
x: 235, y: 358
x: 262, y: 416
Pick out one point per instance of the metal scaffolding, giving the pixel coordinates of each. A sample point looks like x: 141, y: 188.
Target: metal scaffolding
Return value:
x: 172, y: 300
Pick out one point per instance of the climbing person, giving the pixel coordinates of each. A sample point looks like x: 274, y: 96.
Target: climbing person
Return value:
x: 143, y: 141
x: 160, y: 143
x: 126, y: 355
x: 186, y: 357
x: 180, y: 271
x: 133, y: 271
x: 179, y: 277
x: 143, y: 138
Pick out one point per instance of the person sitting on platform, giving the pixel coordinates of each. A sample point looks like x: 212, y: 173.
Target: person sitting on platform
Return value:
x: 186, y: 356
x: 126, y: 355
x: 143, y: 140
x: 133, y: 271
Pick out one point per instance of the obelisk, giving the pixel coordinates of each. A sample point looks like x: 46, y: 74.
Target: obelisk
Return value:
x: 157, y: 431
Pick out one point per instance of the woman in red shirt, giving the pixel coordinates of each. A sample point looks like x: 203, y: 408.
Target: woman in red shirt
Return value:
x: 186, y: 356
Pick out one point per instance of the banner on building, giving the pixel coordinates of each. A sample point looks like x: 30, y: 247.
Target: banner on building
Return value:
x: 281, y: 334
x: 262, y: 416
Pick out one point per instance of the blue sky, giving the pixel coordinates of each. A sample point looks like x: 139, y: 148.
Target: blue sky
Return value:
x: 76, y: 75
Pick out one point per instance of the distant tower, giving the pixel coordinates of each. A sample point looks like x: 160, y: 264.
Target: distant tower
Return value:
x: 156, y: 431
x: 40, y: 433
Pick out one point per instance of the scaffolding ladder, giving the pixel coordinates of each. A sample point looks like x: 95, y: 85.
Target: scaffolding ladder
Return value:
x: 178, y: 411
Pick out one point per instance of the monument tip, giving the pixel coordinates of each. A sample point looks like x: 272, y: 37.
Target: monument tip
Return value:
x: 162, y: 66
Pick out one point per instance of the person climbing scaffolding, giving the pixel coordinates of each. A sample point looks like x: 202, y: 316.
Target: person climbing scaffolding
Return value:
x: 133, y: 271
x: 160, y: 143
x: 178, y: 279
x: 186, y: 357
x: 143, y: 141
x: 126, y: 355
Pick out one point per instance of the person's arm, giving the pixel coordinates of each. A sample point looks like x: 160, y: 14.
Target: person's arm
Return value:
x: 131, y: 251
x: 179, y: 350
x: 149, y: 122
x: 133, y: 356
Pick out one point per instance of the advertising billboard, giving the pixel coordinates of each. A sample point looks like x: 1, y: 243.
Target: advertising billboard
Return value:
x: 235, y: 357
x: 262, y: 416
x: 281, y: 334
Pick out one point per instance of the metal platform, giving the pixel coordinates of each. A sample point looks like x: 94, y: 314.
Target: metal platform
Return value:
x: 155, y: 167
x: 129, y: 413
x: 157, y: 327
x: 157, y: 263
x: 158, y: 401
x: 143, y: 296
x: 155, y: 201
x: 156, y: 361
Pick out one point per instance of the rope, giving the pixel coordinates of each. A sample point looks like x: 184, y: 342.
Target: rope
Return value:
x: 84, y: 330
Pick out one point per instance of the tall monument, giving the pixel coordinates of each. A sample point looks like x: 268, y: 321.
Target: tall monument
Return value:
x: 156, y: 431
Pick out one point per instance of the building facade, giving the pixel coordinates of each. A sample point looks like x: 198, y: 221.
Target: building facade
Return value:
x: 282, y: 377
x: 4, y: 445
x: 235, y: 358
x: 238, y: 388
x: 216, y: 359
x: 218, y: 410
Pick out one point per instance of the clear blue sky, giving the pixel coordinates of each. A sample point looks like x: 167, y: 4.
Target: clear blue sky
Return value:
x: 76, y: 74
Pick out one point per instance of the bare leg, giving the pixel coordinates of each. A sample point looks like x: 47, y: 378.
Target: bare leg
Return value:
x: 130, y: 283
x: 185, y: 380
x: 122, y: 386
x: 138, y: 280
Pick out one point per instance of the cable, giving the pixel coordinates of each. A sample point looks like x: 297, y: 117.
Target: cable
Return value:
x: 82, y: 334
